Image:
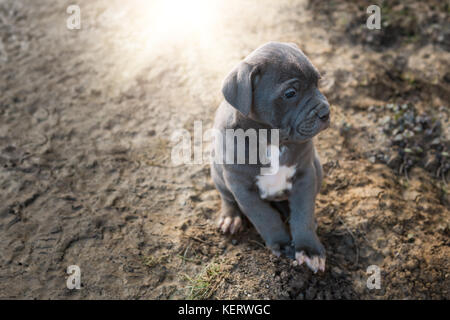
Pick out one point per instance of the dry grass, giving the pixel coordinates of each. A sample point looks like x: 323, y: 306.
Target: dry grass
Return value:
x: 203, y: 286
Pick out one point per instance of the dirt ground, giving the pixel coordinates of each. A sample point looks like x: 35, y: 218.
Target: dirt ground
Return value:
x: 86, y: 178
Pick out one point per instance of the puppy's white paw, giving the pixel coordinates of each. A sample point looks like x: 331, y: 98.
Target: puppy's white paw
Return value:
x: 315, y: 263
x: 229, y: 224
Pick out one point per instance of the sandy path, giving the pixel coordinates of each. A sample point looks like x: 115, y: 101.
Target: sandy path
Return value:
x: 86, y: 177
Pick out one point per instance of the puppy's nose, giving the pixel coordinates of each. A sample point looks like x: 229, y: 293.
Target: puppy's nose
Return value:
x: 325, y: 117
x: 324, y: 112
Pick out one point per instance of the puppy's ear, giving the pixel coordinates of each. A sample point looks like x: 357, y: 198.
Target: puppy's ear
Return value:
x: 238, y: 87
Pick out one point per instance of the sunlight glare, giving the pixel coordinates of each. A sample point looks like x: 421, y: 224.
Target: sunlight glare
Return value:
x: 177, y: 19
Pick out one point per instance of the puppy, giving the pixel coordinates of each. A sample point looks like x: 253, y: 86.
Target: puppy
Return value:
x: 275, y: 87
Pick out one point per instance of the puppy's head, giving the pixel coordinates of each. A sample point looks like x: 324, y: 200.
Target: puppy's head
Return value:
x: 277, y: 85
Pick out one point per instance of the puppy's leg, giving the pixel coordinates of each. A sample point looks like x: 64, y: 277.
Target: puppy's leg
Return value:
x: 230, y: 218
x: 302, y: 222
x: 283, y: 208
x: 319, y: 171
x: 262, y: 215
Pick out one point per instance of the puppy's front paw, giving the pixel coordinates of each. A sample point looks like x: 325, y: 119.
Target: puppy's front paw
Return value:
x: 309, y: 250
x: 280, y: 244
x: 285, y: 250
x: 315, y: 263
x: 230, y: 224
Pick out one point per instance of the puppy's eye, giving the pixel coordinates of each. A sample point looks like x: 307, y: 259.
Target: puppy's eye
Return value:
x: 289, y: 93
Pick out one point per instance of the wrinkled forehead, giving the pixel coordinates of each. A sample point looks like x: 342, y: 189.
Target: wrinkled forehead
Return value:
x: 284, y: 62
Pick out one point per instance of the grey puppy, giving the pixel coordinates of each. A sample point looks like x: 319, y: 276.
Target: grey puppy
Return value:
x: 275, y: 87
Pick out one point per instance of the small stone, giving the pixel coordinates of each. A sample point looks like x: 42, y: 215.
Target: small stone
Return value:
x: 408, y: 150
x: 409, y: 117
x: 408, y: 134
x: 412, y: 264
x: 394, y: 161
x: 417, y: 149
x: 386, y: 120
x: 431, y: 162
x: 435, y: 142
x: 336, y: 271
x: 396, y: 131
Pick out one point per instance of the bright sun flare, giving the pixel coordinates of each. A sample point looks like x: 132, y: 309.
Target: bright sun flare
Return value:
x: 147, y: 28
x: 182, y: 18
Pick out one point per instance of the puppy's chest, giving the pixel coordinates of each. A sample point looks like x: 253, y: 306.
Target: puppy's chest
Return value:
x: 277, y: 186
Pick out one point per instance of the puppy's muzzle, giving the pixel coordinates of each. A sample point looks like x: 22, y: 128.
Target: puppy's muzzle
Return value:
x: 318, y: 117
x: 323, y: 112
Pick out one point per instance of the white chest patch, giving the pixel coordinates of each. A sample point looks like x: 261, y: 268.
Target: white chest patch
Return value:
x: 276, y: 186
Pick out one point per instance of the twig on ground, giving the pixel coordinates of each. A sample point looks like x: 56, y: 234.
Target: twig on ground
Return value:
x: 258, y: 243
x: 200, y: 240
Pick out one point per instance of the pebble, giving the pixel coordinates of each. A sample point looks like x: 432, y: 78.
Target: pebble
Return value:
x: 336, y: 271
x: 408, y: 150
x: 408, y: 134
x: 386, y: 120
x: 435, y: 142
